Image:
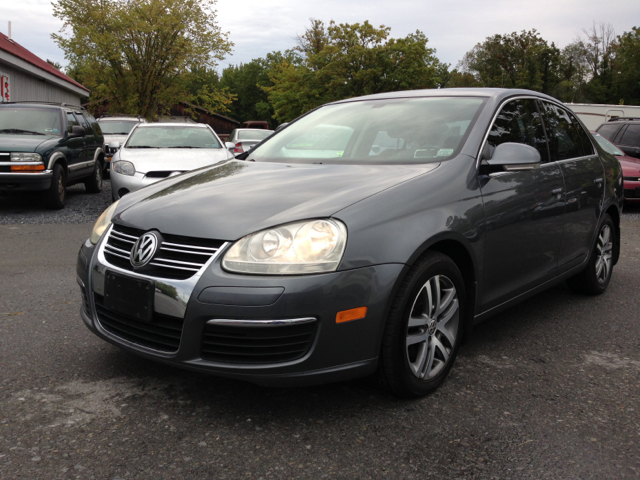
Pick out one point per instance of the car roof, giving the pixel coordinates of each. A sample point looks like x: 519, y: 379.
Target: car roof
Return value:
x: 173, y: 124
x: 38, y: 104
x: 495, y: 93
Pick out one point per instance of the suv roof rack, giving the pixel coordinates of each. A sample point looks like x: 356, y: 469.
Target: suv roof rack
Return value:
x: 55, y: 104
x: 614, y: 119
x: 127, y: 115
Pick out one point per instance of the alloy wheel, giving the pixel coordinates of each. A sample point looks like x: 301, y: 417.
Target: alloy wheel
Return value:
x: 604, y: 254
x: 432, y: 327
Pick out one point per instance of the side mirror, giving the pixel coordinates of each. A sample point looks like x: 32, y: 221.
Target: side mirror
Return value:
x: 230, y: 145
x: 76, y: 131
x: 115, y: 145
x: 515, y: 156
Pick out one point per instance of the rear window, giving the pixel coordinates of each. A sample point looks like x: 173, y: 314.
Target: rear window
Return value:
x: 172, y: 137
x: 253, y: 134
x: 119, y: 127
x: 388, y: 131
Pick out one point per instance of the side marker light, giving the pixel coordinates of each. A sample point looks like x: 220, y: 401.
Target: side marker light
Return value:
x: 353, y: 314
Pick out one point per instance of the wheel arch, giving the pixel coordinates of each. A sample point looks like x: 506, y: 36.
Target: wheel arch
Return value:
x: 58, y: 158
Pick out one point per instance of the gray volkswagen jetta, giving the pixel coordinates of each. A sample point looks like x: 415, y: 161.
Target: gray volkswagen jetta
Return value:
x: 367, y: 237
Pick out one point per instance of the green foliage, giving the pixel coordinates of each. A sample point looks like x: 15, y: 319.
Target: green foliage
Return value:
x: 138, y: 52
x: 627, y: 79
x: 518, y: 60
x: 347, y: 60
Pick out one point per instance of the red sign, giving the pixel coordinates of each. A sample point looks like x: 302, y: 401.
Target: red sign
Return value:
x: 5, y: 95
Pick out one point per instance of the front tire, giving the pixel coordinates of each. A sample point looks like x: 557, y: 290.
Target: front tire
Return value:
x: 424, y: 328
x: 56, y: 196
x: 594, y: 279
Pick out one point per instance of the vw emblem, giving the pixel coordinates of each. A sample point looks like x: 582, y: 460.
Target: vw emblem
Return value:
x: 144, y: 250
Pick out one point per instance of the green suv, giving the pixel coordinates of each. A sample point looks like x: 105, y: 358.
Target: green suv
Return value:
x: 46, y: 147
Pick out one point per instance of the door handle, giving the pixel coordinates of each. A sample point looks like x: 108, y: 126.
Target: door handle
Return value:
x: 556, y: 191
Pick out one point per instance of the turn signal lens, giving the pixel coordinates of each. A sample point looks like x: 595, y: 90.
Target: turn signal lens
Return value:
x: 353, y: 314
x: 27, y: 168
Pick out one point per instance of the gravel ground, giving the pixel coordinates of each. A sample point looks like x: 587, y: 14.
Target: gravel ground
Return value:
x: 83, y: 207
x: 29, y: 208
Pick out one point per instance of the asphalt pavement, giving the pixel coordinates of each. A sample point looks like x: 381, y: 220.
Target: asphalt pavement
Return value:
x: 547, y: 389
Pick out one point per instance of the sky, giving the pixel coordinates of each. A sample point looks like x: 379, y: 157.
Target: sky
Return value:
x: 453, y: 27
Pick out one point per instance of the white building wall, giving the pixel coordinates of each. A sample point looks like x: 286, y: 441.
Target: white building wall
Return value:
x: 25, y: 87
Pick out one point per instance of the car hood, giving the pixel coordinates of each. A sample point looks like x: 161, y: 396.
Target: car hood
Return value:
x: 237, y: 198
x: 24, y: 143
x: 630, y: 166
x: 175, y: 159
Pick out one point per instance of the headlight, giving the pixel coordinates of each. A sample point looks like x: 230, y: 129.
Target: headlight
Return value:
x: 103, y: 222
x: 125, y: 168
x: 313, y: 246
x: 25, y: 157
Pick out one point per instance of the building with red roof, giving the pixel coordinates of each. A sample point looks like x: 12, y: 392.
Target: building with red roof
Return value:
x: 26, y: 77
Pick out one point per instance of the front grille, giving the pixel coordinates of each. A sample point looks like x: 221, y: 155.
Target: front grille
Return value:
x: 161, y: 173
x: 177, y: 257
x: 632, y: 193
x: 257, y: 344
x: 162, y: 333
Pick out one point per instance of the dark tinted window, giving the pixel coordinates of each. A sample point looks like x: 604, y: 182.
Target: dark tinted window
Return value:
x: 631, y: 136
x: 85, y: 123
x: 519, y: 122
x: 564, y: 139
x: 608, y: 130
x: 71, y: 120
x: 587, y: 146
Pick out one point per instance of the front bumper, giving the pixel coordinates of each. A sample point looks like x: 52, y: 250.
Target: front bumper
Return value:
x: 32, y: 181
x: 335, y: 351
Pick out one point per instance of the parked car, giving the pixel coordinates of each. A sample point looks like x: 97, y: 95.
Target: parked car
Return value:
x: 154, y: 151
x: 630, y: 169
x: 313, y: 258
x: 45, y: 147
x: 243, y: 139
x: 115, y: 128
x: 624, y: 132
x: 255, y: 124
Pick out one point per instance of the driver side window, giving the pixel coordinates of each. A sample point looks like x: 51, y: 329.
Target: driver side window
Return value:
x: 519, y: 122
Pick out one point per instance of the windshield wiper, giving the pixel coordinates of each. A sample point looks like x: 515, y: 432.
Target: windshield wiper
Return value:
x: 17, y: 130
x: 182, y: 147
x: 143, y: 146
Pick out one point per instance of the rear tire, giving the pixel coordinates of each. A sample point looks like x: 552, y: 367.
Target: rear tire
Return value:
x: 56, y: 196
x: 424, y: 328
x: 594, y: 279
x: 94, y: 183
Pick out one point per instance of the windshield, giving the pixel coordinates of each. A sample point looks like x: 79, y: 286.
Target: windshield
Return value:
x: 392, y: 131
x: 116, y: 127
x: 253, y: 134
x: 172, y: 137
x: 29, y: 121
x: 606, y: 145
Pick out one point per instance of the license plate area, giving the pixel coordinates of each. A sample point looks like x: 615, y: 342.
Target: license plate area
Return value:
x: 129, y: 296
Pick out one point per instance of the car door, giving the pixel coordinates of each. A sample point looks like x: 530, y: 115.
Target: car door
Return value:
x: 76, y: 151
x: 583, y: 174
x: 523, y: 209
x: 91, y: 140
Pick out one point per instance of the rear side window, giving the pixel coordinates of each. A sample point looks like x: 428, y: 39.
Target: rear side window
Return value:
x: 608, y: 130
x: 71, y: 120
x: 631, y: 136
x: 587, y: 146
x: 564, y: 139
x: 519, y: 122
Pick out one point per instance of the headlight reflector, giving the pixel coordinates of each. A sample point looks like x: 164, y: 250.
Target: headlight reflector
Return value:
x: 313, y: 246
x: 123, y: 167
x: 25, y: 157
x: 102, y: 223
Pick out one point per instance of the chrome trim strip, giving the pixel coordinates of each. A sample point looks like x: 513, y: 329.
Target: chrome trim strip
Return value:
x: 80, y: 282
x: 133, y: 238
x: 190, y: 246
x: 11, y: 164
x: 46, y: 173
x: 186, y: 251
x: 178, y: 262
x: 114, y: 250
x: 262, y: 323
x: 175, y: 267
x: 78, y: 166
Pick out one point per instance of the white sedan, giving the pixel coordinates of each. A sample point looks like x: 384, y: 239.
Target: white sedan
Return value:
x: 154, y: 151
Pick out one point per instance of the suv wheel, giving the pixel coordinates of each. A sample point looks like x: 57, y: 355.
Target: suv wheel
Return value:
x: 57, y: 193
x: 94, y: 182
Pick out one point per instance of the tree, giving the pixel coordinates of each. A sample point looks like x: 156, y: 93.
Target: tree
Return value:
x: 517, y: 60
x: 627, y: 77
x: 138, y: 53
x: 55, y: 65
x: 346, y: 60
